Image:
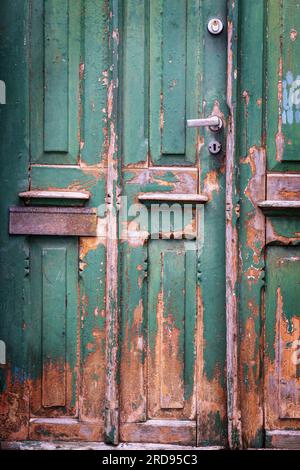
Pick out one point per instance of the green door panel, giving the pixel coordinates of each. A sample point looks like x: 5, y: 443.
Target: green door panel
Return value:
x: 52, y: 324
x: 55, y: 59
x: 171, y: 308
x: 283, y: 85
x: 282, y: 335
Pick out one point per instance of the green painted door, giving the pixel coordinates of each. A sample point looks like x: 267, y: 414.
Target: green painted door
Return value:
x: 113, y: 266
x: 267, y: 100
x: 172, y: 368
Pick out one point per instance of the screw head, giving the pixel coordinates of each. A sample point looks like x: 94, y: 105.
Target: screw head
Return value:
x: 215, y: 26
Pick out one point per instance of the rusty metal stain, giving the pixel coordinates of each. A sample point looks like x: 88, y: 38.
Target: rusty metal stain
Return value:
x: 52, y: 221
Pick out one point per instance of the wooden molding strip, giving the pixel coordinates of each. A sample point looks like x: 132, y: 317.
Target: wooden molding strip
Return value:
x: 282, y: 439
x: 269, y: 204
x: 44, y: 194
x: 65, y: 221
x: 280, y: 208
x: 173, y: 197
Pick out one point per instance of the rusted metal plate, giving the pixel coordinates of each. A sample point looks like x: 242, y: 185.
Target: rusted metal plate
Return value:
x: 65, y: 221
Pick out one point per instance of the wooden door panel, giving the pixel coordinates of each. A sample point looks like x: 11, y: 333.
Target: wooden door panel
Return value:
x: 172, y: 382
x: 173, y: 80
x: 171, y: 312
x: 282, y: 86
x: 282, y: 337
x: 52, y: 325
x: 55, y: 372
x: 282, y: 384
x: 55, y: 81
x: 162, y: 92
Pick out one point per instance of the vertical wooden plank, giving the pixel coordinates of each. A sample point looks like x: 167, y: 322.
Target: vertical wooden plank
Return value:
x: 55, y: 48
x: 282, y: 336
x: 212, y: 425
x: 54, y: 326
x: 252, y: 170
x: 232, y: 206
x: 14, y: 264
x: 174, y: 77
x: 172, y: 329
x: 171, y: 318
x: 282, y: 87
x: 133, y: 333
x: 135, y: 82
x: 56, y: 62
x: 282, y: 333
x: 93, y: 76
x: 291, y: 80
x: 112, y: 261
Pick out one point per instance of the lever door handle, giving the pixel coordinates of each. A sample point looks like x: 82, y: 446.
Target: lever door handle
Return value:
x: 214, y: 123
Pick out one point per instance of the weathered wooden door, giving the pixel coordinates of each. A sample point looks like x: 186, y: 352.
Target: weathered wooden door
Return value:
x: 113, y: 335
x: 126, y: 312
x: 266, y: 98
x: 172, y: 382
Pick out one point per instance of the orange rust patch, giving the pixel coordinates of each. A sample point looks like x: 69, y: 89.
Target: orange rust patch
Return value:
x: 253, y: 274
x: 43, y: 403
x: 211, y: 396
x: 14, y: 409
x: 251, y: 399
x: 255, y: 191
x: 211, y: 183
x: 93, y: 378
x: 280, y: 136
x: 133, y: 397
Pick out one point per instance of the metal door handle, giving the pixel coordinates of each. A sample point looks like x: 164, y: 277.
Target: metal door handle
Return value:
x: 214, y: 123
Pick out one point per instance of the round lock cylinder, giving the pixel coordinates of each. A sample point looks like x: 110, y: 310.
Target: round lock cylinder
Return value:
x: 215, y: 26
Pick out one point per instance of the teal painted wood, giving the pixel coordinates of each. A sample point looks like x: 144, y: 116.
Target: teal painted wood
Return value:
x: 52, y: 325
x: 174, y: 30
x: 56, y: 62
x: 171, y: 328
x: 174, y: 81
x: 282, y: 337
x: 93, y: 82
x: 14, y: 251
x: 16, y: 285
x: 54, y: 302
x: 54, y: 81
x: 213, y: 54
x: 251, y: 154
x: 135, y: 82
x: 283, y: 72
x: 231, y: 241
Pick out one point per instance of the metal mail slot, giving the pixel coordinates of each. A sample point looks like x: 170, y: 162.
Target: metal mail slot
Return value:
x: 67, y: 221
